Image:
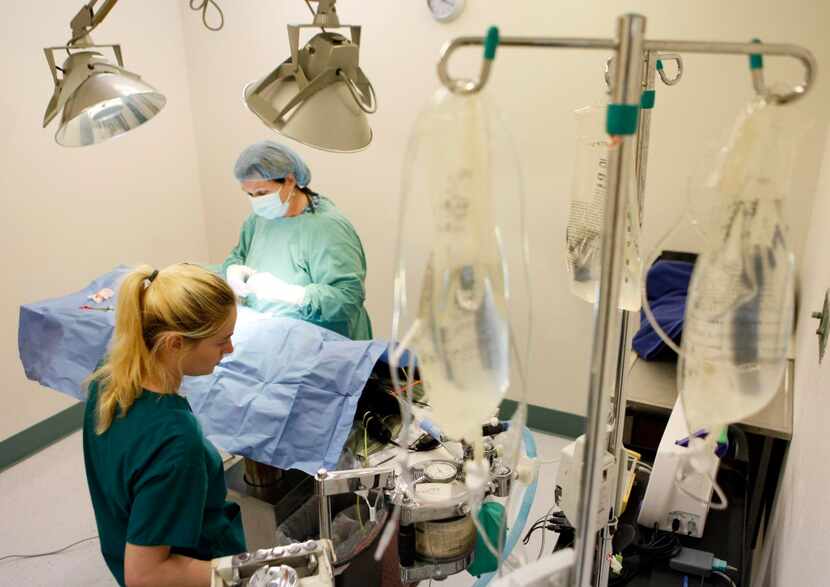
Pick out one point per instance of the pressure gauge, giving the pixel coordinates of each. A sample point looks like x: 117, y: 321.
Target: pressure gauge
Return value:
x: 445, y: 10
x: 440, y: 471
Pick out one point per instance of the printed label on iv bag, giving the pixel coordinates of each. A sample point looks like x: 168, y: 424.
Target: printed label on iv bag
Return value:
x: 738, y: 319
x: 741, y: 290
x: 462, y: 350
x: 585, y: 224
x: 585, y: 228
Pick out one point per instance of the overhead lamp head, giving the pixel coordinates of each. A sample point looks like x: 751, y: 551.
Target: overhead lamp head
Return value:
x: 97, y: 99
x: 319, y: 96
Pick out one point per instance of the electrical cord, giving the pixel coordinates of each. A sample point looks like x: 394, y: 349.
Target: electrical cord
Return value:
x: 42, y: 554
x: 725, y: 577
x: 659, y: 546
x: 313, y: 13
x: 544, y: 534
x: 642, y: 554
x: 719, y: 505
x: 538, y: 525
x: 203, y: 6
x: 555, y: 522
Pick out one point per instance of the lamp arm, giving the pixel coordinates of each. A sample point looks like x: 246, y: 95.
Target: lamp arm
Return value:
x: 88, y: 19
x: 102, y: 12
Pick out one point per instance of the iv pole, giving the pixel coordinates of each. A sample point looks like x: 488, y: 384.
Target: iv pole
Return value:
x: 629, y: 47
x: 652, y: 63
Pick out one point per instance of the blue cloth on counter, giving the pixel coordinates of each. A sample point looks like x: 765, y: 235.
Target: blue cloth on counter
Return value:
x: 667, y: 286
x: 285, y: 397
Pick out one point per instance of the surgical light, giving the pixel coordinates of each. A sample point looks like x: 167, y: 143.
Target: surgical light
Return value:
x: 96, y: 98
x: 319, y: 96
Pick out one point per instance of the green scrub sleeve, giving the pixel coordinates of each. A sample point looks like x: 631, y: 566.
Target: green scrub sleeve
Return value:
x: 169, y: 492
x: 239, y: 253
x: 337, y: 267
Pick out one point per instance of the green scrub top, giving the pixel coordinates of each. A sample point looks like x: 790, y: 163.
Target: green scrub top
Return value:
x: 319, y: 250
x: 155, y: 480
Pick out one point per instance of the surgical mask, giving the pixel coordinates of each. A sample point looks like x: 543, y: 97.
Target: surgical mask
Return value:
x: 270, y: 206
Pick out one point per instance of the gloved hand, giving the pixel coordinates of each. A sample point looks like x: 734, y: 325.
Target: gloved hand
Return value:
x: 238, y: 275
x: 266, y: 286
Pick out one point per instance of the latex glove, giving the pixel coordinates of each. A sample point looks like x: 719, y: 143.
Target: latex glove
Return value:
x: 238, y: 275
x: 268, y: 287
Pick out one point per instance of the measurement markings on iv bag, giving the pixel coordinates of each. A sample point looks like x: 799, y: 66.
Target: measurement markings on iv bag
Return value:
x: 737, y: 313
x: 455, y: 204
x: 586, y: 218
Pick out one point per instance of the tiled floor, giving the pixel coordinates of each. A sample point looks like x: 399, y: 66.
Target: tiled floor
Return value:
x: 45, y: 506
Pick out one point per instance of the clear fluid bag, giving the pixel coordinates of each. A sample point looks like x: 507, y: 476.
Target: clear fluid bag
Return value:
x: 587, y: 211
x: 459, y: 228
x: 740, y: 307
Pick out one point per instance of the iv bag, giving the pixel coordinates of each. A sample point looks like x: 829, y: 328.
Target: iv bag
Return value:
x: 740, y: 307
x: 452, y: 298
x: 587, y: 212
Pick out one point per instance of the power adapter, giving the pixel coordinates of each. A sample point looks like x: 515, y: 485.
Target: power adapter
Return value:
x: 697, y: 562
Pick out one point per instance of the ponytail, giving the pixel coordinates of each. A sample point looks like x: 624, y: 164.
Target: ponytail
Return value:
x: 180, y: 300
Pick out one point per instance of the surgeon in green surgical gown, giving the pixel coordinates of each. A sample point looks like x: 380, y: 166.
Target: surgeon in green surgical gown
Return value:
x: 297, y: 255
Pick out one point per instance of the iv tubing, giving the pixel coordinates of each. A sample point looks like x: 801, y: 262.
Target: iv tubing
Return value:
x: 521, y: 518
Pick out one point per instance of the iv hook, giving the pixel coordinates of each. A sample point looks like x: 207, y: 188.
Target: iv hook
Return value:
x: 468, y: 86
x: 756, y: 66
x: 661, y: 58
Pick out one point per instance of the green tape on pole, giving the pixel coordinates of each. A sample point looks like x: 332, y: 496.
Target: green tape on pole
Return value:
x: 622, y: 119
x: 491, y: 42
x: 647, y: 99
x: 659, y: 64
x: 756, y: 60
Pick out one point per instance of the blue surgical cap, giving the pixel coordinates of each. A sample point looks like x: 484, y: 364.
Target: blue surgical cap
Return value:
x: 268, y: 160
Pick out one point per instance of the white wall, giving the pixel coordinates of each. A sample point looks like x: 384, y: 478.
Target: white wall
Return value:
x: 72, y: 214
x: 797, y: 553
x: 537, y: 90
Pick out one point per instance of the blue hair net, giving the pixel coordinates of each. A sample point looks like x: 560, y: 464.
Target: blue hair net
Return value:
x: 269, y: 160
